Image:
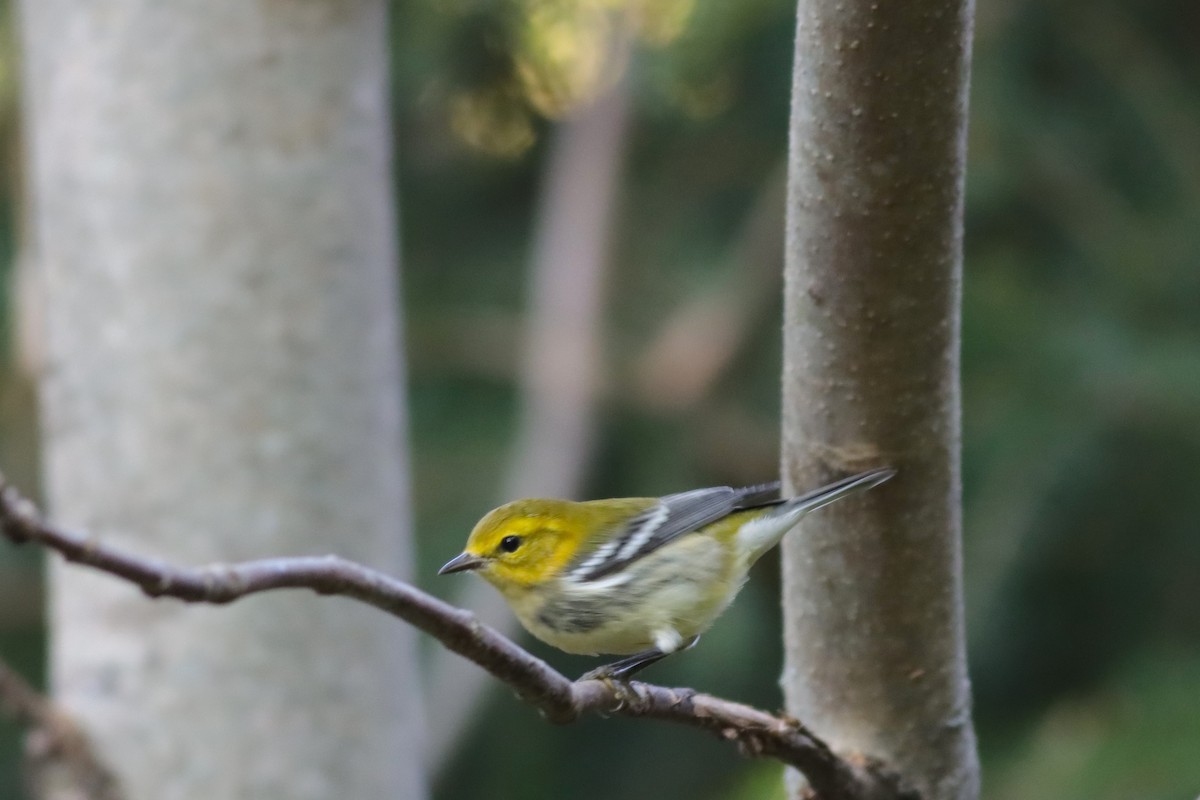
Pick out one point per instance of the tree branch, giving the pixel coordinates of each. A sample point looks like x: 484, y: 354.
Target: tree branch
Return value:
x: 558, y: 698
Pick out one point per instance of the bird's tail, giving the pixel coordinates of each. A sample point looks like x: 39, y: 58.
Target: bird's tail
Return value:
x: 763, y: 532
x: 830, y: 493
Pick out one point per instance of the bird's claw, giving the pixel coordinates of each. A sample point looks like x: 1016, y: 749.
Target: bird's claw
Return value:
x: 622, y: 691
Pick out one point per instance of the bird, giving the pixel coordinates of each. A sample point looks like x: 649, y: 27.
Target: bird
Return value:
x: 640, y: 577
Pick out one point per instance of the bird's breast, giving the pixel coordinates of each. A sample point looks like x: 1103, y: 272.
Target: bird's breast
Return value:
x: 680, y: 589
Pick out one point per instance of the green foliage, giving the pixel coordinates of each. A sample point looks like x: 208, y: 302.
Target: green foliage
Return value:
x: 1136, y: 737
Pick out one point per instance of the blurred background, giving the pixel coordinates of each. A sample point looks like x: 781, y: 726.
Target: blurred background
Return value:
x: 620, y: 185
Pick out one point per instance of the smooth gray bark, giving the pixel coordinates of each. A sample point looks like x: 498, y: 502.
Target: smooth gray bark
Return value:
x: 875, y: 646
x: 213, y: 222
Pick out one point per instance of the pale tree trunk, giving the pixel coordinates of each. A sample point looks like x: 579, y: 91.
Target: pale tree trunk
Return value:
x: 213, y: 223
x: 874, y: 619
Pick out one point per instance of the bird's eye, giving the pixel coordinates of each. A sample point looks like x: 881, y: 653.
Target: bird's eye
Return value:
x: 509, y: 544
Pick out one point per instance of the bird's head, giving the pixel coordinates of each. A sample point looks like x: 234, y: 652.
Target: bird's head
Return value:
x: 521, y: 544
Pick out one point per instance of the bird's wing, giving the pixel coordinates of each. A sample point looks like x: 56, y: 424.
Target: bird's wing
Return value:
x: 667, y: 519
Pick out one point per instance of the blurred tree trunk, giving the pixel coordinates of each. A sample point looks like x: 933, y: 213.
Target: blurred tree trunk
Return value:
x: 213, y: 221
x: 874, y: 631
x: 561, y: 362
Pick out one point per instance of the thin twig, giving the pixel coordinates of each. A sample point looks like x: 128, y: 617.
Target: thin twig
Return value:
x: 558, y: 698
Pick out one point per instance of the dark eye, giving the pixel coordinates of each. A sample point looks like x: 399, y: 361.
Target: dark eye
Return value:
x: 509, y: 544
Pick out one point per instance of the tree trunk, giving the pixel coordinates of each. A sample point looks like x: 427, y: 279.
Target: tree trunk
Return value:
x: 562, y: 363
x: 873, y: 607
x: 214, y: 225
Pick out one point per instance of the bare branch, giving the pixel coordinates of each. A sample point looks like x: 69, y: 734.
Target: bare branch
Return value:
x: 558, y: 698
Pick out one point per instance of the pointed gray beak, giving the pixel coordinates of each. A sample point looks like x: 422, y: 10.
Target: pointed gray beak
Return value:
x: 461, y: 563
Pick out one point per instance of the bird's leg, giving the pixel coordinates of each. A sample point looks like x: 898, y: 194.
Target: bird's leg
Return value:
x: 627, y: 667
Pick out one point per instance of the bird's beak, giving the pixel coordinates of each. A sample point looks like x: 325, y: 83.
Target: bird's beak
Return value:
x: 461, y: 563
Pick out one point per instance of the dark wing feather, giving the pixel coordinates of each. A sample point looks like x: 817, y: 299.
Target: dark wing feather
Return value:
x: 671, y: 517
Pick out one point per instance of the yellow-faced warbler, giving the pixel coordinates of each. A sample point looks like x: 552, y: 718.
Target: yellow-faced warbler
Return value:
x: 638, y: 575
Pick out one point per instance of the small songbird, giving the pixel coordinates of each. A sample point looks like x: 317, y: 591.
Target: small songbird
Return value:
x: 639, y: 575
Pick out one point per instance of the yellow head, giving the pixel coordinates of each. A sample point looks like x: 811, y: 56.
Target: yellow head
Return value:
x: 523, y: 543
